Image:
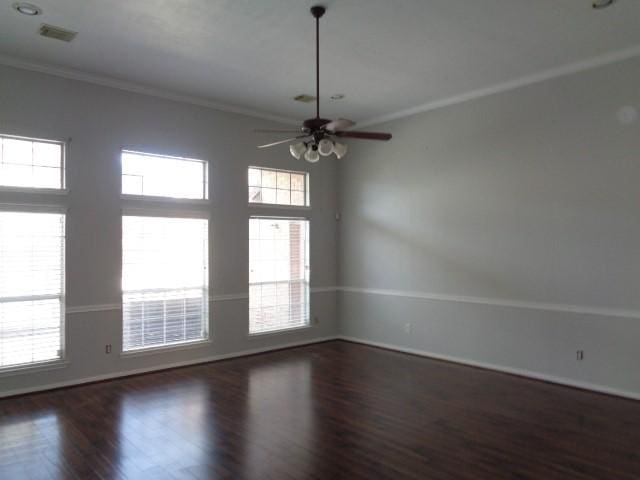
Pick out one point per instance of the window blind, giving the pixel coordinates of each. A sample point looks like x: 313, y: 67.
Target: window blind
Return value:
x: 278, y: 274
x: 31, y: 287
x: 164, y: 281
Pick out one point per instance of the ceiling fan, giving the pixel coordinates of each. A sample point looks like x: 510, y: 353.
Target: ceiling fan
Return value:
x: 319, y: 134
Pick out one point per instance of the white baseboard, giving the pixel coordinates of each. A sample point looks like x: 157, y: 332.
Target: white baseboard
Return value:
x: 463, y: 361
x: 165, y: 366
x: 500, y: 368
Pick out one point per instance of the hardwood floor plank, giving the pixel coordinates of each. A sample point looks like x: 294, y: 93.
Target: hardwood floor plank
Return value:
x: 326, y: 411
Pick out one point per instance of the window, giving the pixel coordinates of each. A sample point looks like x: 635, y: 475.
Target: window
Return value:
x: 31, y: 163
x: 278, y: 274
x: 279, y: 187
x: 161, y: 176
x: 164, y: 281
x: 31, y: 287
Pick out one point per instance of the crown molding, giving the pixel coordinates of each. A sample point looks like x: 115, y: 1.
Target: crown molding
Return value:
x: 552, y: 73
x: 564, y: 70
x: 105, y: 81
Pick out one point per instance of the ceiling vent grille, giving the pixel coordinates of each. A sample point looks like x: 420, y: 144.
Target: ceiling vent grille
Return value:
x: 304, y: 98
x: 58, y: 33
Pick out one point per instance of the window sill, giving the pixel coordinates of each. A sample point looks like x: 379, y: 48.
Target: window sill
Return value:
x: 284, y: 331
x: 34, y: 368
x: 34, y: 190
x: 166, y: 200
x: 165, y: 349
x: 280, y: 207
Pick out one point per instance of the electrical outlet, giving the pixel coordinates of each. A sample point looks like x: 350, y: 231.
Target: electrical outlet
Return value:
x: 407, y: 328
x: 107, y: 349
x: 580, y: 355
x: 316, y: 320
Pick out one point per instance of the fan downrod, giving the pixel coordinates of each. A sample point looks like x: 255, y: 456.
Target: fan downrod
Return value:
x: 317, y: 129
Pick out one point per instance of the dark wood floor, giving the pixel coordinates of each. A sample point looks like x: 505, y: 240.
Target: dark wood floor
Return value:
x: 328, y: 411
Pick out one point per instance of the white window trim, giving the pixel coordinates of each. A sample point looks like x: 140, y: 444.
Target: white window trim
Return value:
x: 141, y: 352
x: 276, y: 206
x: 282, y: 217
x: 33, y: 207
x: 63, y: 361
x: 290, y: 329
x: 35, y: 190
x: 165, y: 200
x: 307, y: 190
x: 207, y: 340
x: 64, y: 188
x: 32, y: 203
x: 281, y: 331
x: 128, y: 211
x: 36, y: 367
x: 159, y: 198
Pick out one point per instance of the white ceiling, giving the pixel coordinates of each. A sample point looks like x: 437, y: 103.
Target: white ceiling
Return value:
x: 387, y: 56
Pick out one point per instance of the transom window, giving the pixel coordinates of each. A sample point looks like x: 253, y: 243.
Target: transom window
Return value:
x: 31, y: 163
x: 278, y: 274
x: 152, y: 175
x: 278, y: 187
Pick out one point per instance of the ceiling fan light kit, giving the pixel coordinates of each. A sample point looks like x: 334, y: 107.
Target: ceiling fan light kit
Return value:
x: 297, y: 149
x: 312, y: 155
x: 325, y: 147
x: 340, y: 149
x: 320, y: 133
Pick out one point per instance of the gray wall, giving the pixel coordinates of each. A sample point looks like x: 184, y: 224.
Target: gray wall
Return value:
x: 504, y: 231
x: 100, y: 121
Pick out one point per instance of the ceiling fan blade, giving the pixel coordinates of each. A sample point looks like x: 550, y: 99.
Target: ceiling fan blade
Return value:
x: 339, y: 124
x: 364, y: 135
x: 259, y: 130
x: 282, y: 141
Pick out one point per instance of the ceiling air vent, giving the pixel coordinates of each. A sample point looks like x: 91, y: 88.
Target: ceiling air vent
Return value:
x: 58, y: 33
x: 304, y: 98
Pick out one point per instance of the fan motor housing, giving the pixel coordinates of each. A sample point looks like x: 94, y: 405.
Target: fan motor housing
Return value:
x: 315, y: 123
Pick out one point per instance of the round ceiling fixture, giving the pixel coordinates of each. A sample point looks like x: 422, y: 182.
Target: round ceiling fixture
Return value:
x: 27, y: 8
x: 338, y: 96
x: 600, y: 4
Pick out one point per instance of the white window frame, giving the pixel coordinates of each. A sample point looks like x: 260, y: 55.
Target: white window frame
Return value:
x: 170, y: 207
x: 164, y: 199
x: 62, y: 361
x: 63, y: 190
x: 310, y: 323
x: 206, y: 339
x: 307, y: 192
